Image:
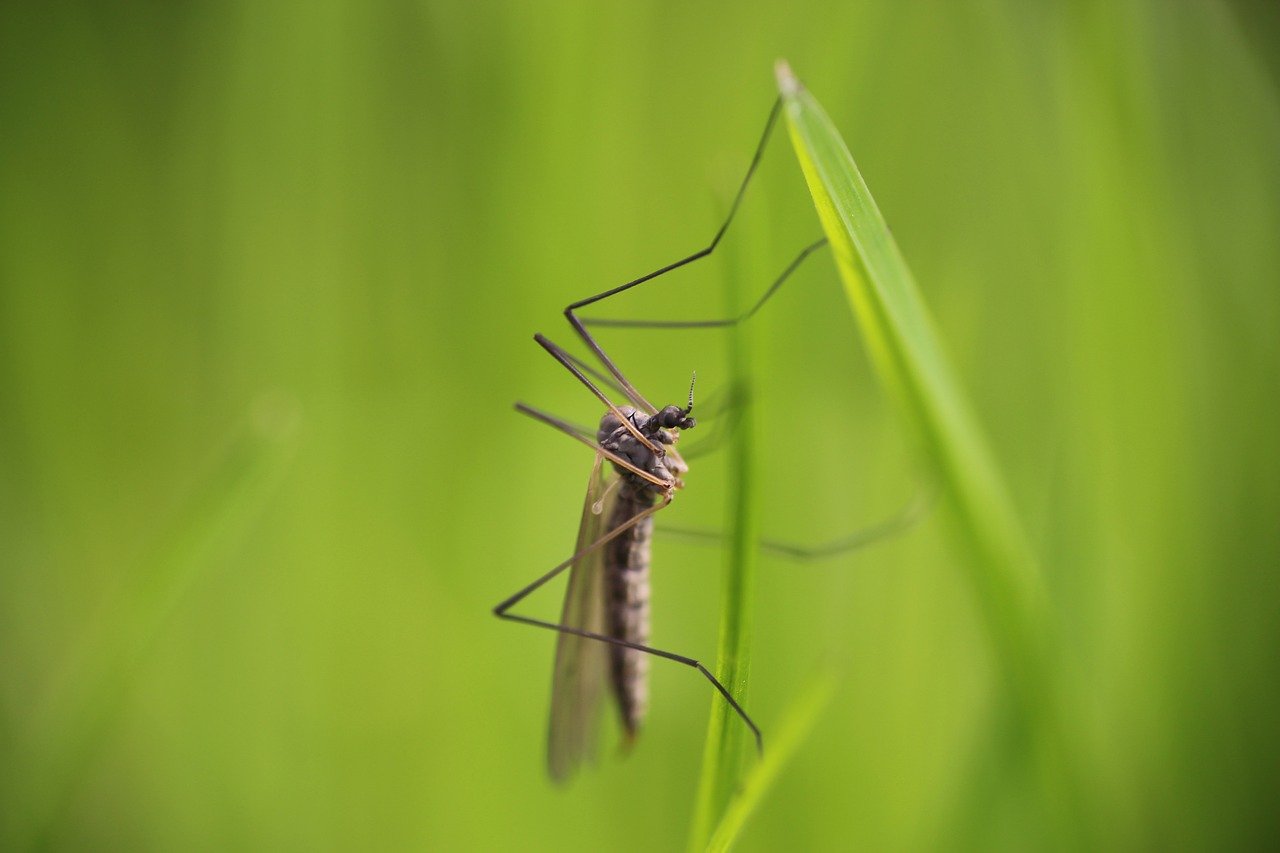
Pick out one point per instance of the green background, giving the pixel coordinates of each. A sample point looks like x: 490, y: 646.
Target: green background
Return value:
x: 268, y: 279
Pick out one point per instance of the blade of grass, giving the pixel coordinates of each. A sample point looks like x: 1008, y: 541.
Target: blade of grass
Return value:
x: 795, y: 725
x: 907, y: 353
x: 725, y: 750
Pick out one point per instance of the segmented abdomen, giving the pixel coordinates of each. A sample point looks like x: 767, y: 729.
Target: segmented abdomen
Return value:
x: 626, y: 569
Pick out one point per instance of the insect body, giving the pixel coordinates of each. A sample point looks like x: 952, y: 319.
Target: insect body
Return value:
x: 605, y: 622
x: 604, y: 625
x: 626, y: 558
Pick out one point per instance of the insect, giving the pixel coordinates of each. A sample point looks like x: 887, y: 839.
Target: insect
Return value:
x: 603, y: 642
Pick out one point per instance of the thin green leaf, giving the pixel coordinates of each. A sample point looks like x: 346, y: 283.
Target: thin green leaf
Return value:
x: 796, y: 724
x: 725, y: 750
x: 907, y: 353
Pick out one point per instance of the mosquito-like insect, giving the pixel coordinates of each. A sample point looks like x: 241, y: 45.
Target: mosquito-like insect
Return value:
x: 604, y: 626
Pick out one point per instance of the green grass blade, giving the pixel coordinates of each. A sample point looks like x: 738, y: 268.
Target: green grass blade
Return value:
x: 909, y: 358
x: 729, y: 742
x: 796, y: 724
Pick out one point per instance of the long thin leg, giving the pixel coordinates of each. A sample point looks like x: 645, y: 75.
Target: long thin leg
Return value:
x: 585, y: 437
x: 710, y: 324
x: 705, y: 445
x: 891, y: 526
x: 600, y: 377
x: 577, y: 431
x: 568, y: 361
x: 501, y: 611
x: 687, y: 661
x: 508, y: 603
x: 570, y: 312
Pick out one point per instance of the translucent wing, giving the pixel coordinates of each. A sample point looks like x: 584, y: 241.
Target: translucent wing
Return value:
x: 581, y: 670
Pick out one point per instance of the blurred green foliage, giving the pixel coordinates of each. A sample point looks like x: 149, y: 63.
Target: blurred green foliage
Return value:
x: 268, y: 275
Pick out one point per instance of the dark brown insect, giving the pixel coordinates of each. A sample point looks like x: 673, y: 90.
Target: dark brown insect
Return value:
x: 609, y: 584
x: 603, y: 629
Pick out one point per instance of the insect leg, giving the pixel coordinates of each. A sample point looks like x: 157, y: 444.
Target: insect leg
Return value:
x: 617, y: 323
x: 575, y: 430
x: 586, y: 438
x: 503, y: 608
x: 577, y: 323
x: 900, y: 521
x: 598, y: 376
x: 567, y: 361
x: 649, y: 650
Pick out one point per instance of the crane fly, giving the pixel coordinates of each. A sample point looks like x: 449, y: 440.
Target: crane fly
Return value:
x: 603, y: 643
x: 608, y: 590
x: 604, y: 625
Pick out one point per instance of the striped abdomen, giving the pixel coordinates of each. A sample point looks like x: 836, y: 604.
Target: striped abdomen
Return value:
x: 626, y: 570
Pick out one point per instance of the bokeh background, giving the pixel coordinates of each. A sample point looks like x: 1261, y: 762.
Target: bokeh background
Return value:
x: 268, y: 278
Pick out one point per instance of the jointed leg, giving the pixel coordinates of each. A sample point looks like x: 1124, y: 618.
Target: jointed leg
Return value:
x: 577, y: 323
x: 710, y: 324
x: 891, y: 526
x: 614, y: 641
x: 568, y: 362
x: 588, y: 439
x: 503, y: 608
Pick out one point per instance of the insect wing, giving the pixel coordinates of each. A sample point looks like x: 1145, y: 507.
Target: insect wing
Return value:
x: 581, y: 668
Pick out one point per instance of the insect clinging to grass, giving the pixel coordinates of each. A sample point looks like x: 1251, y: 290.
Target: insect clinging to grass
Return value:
x: 603, y: 644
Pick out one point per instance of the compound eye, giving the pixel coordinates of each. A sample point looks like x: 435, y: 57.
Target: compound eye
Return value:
x: 670, y: 416
x: 688, y: 423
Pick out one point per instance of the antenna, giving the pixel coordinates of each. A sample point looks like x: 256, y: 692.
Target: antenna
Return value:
x: 692, y: 382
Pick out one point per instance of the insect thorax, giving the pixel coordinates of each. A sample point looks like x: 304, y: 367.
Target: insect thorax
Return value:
x: 614, y: 436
